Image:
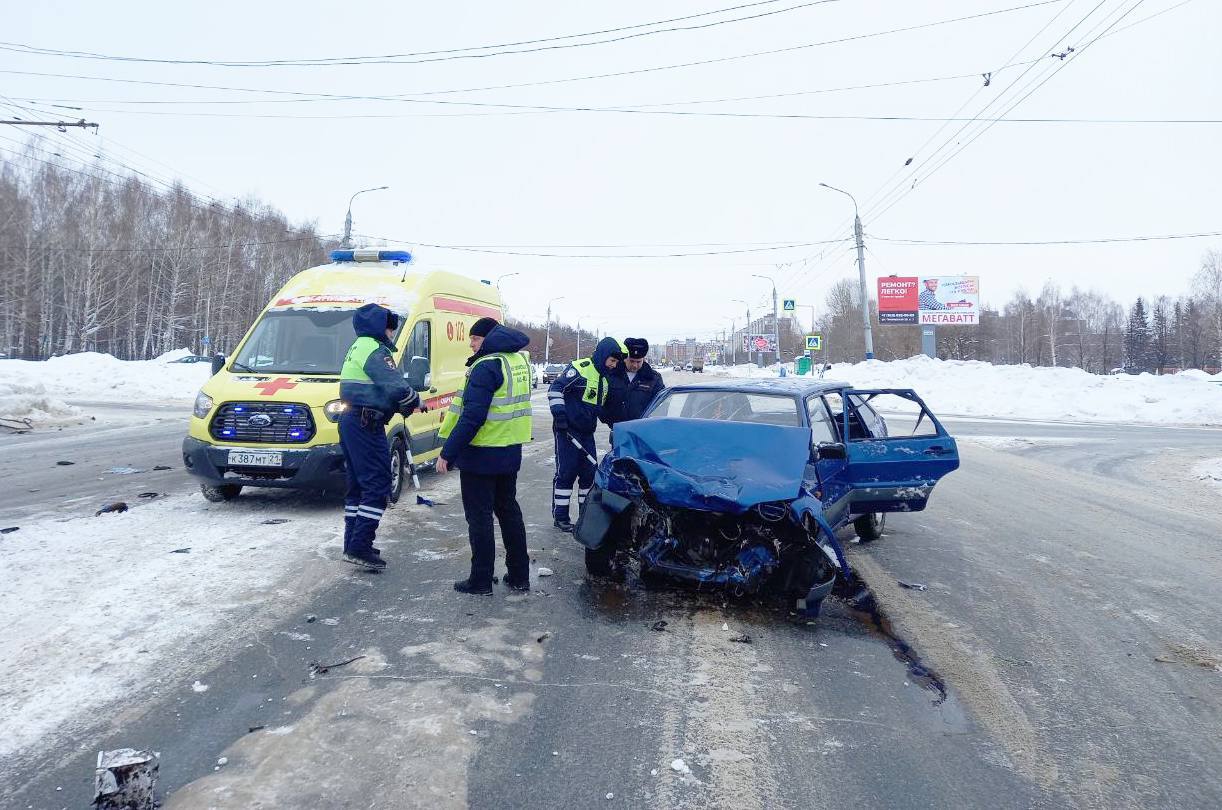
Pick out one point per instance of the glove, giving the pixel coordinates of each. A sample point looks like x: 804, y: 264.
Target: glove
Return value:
x: 409, y: 403
x: 560, y: 422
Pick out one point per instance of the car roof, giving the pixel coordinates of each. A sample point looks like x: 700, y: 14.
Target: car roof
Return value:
x: 792, y: 386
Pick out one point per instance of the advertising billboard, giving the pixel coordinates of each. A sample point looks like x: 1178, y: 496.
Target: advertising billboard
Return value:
x: 949, y: 300
x: 897, y: 299
x: 760, y: 343
x: 929, y: 300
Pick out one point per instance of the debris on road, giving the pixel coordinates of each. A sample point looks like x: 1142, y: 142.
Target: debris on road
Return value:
x: 64, y: 463
x: 658, y: 626
x: 544, y: 637
x: 9, y: 529
x: 161, y: 467
x: 322, y: 669
x: 545, y: 572
x: 423, y: 501
x: 223, y: 761
x: 19, y: 425
x: 679, y: 766
x: 117, y: 506
x: 912, y: 586
x: 741, y: 639
x: 253, y: 729
x: 149, y: 495
x: 184, y: 550
x: 199, y: 687
x: 610, y: 796
x: 125, y: 779
x: 124, y: 470
x: 311, y: 618
x: 275, y: 521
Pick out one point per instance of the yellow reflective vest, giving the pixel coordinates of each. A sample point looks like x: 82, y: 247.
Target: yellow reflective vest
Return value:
x: 509, y: 415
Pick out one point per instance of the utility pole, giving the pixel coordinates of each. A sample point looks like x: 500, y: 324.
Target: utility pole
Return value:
x: 347, y: 241
x: 62, y: 126
x: 547, y: 341
x: 861, y: 272
x: 579, y: 338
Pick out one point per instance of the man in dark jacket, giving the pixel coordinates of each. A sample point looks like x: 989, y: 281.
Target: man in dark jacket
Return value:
x: 635, y: 386
x: 484, y: 430
x: 576, y: 400
x: 373, y: 390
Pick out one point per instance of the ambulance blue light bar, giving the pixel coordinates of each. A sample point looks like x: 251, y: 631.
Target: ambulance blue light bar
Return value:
x: 371, y: 256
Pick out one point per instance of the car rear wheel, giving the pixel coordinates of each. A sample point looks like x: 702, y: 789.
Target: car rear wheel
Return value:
x: 218, y: 493
x: 398, y: 468
x: 870, y: 527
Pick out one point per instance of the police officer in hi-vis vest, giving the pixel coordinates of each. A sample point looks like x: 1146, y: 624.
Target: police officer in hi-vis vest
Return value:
x: 373, y: 390
x: 576, y: 401
x: 484, y: 430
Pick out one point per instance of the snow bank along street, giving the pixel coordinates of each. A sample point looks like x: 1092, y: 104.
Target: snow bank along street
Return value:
x: 41, y: 390
x: 972, y: 388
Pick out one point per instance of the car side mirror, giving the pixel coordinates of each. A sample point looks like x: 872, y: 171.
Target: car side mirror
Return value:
x: 825, y: 451
x: 418, y: 374
x: 218, y: 362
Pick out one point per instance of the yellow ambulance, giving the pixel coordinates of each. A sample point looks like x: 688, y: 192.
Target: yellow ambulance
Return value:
x: 268, y: 416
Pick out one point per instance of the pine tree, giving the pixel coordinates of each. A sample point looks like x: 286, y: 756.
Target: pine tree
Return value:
x: 1137, y: 337
x: 1160, y: 337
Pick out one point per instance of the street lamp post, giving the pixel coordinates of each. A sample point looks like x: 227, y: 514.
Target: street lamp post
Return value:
x: 861, y: 272
x: 504, y: 309
x: 347, y: 242
x: 776, y: 323
x: 546, y: 340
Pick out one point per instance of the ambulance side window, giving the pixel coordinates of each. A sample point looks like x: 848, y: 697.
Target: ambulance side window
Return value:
x: 417, y: 357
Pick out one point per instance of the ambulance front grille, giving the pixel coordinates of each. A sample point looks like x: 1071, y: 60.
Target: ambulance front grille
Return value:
x: 286, y: 423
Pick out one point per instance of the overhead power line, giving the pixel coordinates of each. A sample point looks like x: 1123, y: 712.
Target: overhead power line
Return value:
x: 1021, y: 243
x: 422, y: 57
x: 62, y: 126
x: 685, y: 254
x: 616, y: 74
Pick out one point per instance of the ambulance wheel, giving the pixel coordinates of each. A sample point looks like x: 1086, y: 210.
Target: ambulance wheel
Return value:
x: 398, y: 469
x: 220, y: 492
x: 870, y: 527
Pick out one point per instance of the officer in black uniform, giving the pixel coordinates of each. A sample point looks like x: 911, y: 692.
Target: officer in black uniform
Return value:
x: 635, y: 384
x: 373, y: 390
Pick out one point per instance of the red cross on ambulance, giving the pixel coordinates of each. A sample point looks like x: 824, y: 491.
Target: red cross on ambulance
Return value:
x: 269, y: 388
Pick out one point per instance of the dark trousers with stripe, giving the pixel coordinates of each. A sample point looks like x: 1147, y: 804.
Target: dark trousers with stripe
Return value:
x: 484, y: 496
x: 367, y: 459
x: 571, y: 466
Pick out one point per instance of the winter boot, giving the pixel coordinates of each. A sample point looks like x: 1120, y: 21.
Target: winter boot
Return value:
x: 368, y: 560
x: 466, y: 586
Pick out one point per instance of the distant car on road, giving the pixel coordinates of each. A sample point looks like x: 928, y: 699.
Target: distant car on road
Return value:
x: 743, y: 485
x: 552, y: 372
x: 192, y: 358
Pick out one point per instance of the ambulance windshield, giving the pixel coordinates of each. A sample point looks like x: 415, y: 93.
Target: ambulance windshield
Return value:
x: 298, y: 341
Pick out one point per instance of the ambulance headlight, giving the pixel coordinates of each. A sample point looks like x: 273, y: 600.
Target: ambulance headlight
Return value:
x: 203, y: 405
x: 334, y: 408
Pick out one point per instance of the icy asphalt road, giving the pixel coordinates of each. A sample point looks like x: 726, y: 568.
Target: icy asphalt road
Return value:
x: 1070, y: 613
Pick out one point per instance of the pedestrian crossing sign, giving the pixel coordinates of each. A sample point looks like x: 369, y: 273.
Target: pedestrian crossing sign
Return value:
x: 790, y: 305
x: 814, y: 343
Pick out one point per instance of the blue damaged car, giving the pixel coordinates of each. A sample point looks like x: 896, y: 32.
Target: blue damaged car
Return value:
x: 743, y: 485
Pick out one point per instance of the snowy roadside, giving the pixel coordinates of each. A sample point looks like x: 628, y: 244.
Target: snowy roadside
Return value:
x: 41, y: 390
x: 123, y: 607
x: 971, y: 388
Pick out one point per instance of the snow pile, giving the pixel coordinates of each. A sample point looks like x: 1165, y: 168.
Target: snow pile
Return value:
x: 25, y: 400
x: 100, y: 377
x: 972, y: 388
x: 1209, y: 471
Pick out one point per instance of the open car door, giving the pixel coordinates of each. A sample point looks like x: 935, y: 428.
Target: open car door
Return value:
x: 897, y: 450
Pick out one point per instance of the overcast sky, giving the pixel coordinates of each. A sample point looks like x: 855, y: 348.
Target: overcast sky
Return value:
x: 518, y: 178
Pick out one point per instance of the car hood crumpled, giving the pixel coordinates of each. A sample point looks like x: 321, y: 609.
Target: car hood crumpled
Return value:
x: 708, y: 465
